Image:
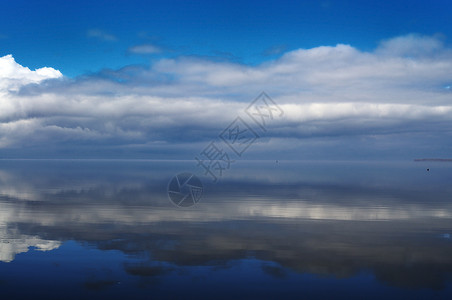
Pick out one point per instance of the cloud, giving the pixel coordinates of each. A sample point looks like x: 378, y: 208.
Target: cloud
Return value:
x: 144, y: 49
x: 274, y: 50
x: 394, y: 93
x: 101, y: 35
x: 13, y: 75
x: 411, y: 45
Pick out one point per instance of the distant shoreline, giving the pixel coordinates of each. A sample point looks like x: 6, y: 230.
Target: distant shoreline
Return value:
x: 434, y: 159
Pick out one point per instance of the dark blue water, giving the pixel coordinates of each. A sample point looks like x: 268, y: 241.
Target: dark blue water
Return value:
x: 86, y: 229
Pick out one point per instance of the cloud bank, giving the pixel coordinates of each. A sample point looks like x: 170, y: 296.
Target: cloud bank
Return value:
x: 394, y: 98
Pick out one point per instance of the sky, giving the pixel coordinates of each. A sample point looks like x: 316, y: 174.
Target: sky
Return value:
x: 163, y: 79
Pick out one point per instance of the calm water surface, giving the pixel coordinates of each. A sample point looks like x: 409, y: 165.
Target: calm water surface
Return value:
x: 79, y: 229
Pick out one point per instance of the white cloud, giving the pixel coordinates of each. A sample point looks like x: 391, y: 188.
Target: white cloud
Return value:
x: 275, y: 50
x: 13, y: 75
x: 411, y: 45
x: 102, y: 35
x: 145, y: 49
x: 325, y: 91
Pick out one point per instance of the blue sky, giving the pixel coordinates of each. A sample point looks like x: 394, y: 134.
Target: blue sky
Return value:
x: 77, y: 37
x: 160, y: 79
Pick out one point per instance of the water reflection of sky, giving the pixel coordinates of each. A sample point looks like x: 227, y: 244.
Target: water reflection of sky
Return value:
x: 106, y: 228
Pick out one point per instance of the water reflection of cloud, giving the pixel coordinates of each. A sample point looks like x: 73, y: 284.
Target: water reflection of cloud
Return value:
x: 326, y: 228
x: 13, y: 243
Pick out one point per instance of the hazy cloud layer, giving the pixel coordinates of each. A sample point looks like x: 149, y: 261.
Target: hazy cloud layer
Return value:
x: 394, y: 96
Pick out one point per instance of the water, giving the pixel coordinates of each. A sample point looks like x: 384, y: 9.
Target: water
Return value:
x: 74, y: 229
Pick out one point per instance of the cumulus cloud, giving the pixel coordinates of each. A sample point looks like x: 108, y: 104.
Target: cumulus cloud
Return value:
x: 13, y: 75
x: 327, y: 91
